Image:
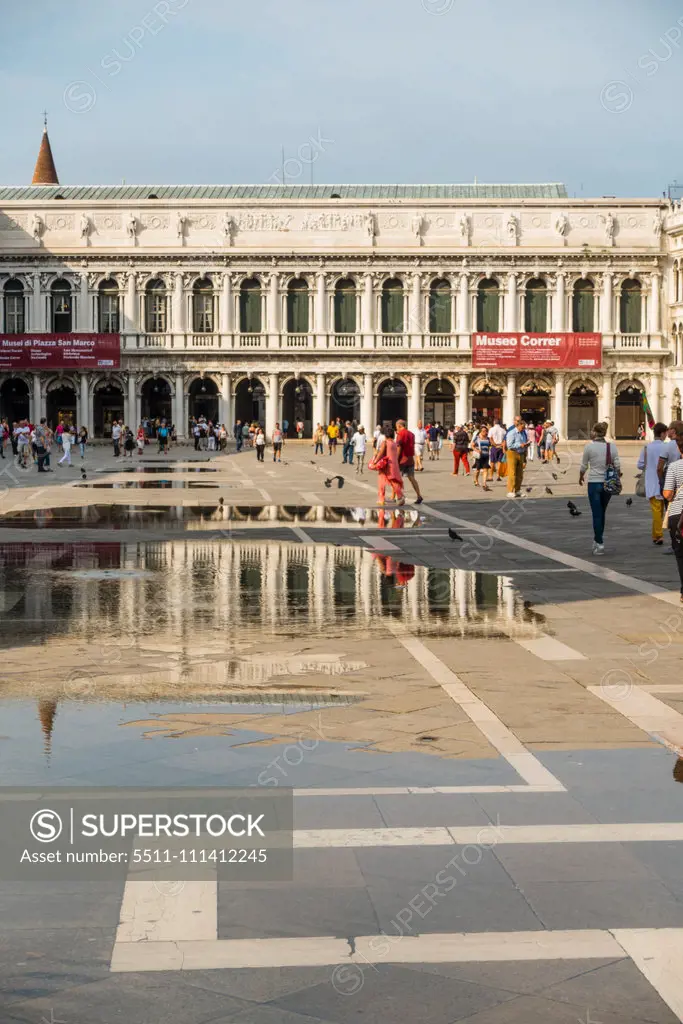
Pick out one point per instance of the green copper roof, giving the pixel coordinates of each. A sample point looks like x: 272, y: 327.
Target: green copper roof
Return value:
x: 136, y: 193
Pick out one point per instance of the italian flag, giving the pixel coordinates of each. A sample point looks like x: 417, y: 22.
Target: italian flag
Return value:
x: 648, y: 412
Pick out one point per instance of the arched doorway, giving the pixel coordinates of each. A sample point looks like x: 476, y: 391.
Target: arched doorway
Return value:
x: 157, y: 399
x: 582, y: 410
x: 487, y: 403
x: 534, y: 402
x: 203, y: 395
x: 297, y: 404
x: 345, y: 401
x: 61, y: 406
x: 392, y: 402
x: 14, y: 400
x: 439, y: 403
x: 107, y: 407
x: 250, y: 401
x: 628, y: 411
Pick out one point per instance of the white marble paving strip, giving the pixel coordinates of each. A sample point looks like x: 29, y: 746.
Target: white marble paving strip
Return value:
x: 646, y: 711
x: 301, y: 534
x: 421, y: 790
x: 321, y: 951
x: 499, y: 736
x: 658, y: 953
x: 547, y: 648
x: 379, y: 544
x: 166, y: 912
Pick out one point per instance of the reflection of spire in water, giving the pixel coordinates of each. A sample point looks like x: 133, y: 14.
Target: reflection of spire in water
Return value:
x: 47, y: 712
x: 678, y: 770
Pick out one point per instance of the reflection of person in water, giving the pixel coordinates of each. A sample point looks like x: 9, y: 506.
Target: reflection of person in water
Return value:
x: 678, y: 770
x: 394, y: 520
x: 401, y: 572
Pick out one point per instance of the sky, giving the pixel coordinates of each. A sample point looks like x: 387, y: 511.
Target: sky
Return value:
x: 357, y: 91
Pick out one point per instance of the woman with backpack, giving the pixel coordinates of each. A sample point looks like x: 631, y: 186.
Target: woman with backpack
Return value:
x: 601, y: 462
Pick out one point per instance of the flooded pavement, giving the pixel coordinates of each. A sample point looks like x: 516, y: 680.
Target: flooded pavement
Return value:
x: 177, y: 469
x: 170, y: 484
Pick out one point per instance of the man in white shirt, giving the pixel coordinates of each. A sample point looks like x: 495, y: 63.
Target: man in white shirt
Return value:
x: 654, y: 460
x: 359, y: 444
x: 497, y: 454
x: 116, y: 437
x: 22, y: 434
x: 420, y: 442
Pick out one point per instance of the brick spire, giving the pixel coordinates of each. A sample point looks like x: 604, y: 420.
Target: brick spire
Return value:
x: 45, y: 172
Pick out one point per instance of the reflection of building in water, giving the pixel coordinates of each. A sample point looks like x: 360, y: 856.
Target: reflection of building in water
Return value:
x: 47, y: 712
x: 183, y: 587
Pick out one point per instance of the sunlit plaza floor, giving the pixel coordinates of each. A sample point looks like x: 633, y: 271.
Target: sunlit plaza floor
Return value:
x: 504, y: 711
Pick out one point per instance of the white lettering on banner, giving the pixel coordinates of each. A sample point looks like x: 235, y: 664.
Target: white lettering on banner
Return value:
x: 550, y: 342
x: 484, y: 339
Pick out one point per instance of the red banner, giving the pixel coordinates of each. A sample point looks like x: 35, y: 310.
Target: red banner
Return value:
x: 60, y: 352
x: 537, y: 351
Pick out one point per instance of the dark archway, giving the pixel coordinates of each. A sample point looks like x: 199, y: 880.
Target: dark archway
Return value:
x: 439, y: 403
x: 345, y: 401
x: 582, y: 411
x: 204, y: 399
x: 297, y: 404
x: 62, y: 406
x: 108, y: 406
x: 628, y: 412
x: 14, y: 400
x: 157, y: 399
x: 534, y: 404
x: 392, y: 402
x: 250, y: 401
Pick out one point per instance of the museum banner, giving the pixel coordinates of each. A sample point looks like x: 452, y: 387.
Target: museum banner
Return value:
x: 517, y: 351
x: 60, y: 352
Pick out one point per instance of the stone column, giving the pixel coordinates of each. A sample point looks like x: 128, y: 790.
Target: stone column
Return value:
x: 36, y: 315
x: 130, y: 311
x: 178, y: 409
x: 85, y: 409
x: 511, y: 304
x: 560, y: 414
x: 606, y: 319
x: 272, y: 403
x: 225, y: 309
x: 319, y: 410
x: 559, y: 319
x: 273, y: 312
x: 462, y: 401
x: 416, y: 325
x: 178, y: 325
x: 224, y: 410
x: 319, y: 310
x: 367, y: 317
x: 510, y: 401
x: 84, y: 318
x: 414, y: 401
x: 654, y: 304
x: 605, y: 401
x: 464, y: 305
x: 367, y: 405
x: 130, y: 411
x: 36, y: 400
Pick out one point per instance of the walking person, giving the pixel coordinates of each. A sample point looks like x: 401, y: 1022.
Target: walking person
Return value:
x: 601, y: 462
x: 82, y: 440
x: 653, y: 462
x: 420, y: 436
x: 359, y: 442
x: 461, y: 447
x: 22, y: 435
x: 673, y: 493
x: 433, y: 441
x: 42, y: 445
x: 237, y: 434
x: 128, y: 442
x: 347, y: 449
x: 276, y: 438
x: 405, y: 440
x: 482, y: 453
x: 115, y: 437
x: 140, y: 439
x: 300, y: 429
x: 515, y: 446
x: 332, y: 436
x: 497, y: 452
x: 260, y: 444
x: 67, y: 439
x: 318, y: 436
x: 385, y: 461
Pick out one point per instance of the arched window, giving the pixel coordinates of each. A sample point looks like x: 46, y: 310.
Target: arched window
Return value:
x: 583, y: 307
x: 488, y: 306
x: 250, y: 307
x: 536, y: 306
x: 156, y: 307
x: 392, y: 306
x: 297, y: 307
x: 203, y: 306
x: 15, y: 308
x: 345, y: 307
x: 440, y: 307
x: 631, y: 308
x: 62, y: 307
x: 108, y: 307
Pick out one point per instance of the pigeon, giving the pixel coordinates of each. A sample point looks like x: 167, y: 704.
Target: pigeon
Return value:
x: 555, y: 476
x: 571, y: 506
x: 529, y: 490
x: 548, y: 491
x: 453, y: 534
x: 574, y: 512
x: 629, y: 502
x: 330, y: 480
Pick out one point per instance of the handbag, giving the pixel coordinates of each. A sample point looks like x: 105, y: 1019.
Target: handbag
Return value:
x: 612, y: 483
x: 378, y: 464
x: 640, y: 479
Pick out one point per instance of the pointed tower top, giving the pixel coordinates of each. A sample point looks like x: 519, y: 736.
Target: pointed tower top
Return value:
x: 45, y: 172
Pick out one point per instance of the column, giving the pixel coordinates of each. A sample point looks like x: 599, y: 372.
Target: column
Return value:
x: 319, y: 311
x: 319, y: 410
x: 510, y: 403
x: 272, y: 403
x: 605, y: 401
x: 131, y: 411
x: 367, y: 405
x: 607, y: 325
x: 179, y: 418
x: 654, y: 304
x: 272, y: 313
x: 367, y: 318
x: 178, y: 325
x: 560, y: 414
x: 414, y: 401
x: 224, y: 410
x: 84, y: 318
x: 130, y: 312
x: 462, y: 401
x: 511, y: 305
x: 225, y: 309
x: 416, y: 324
x: 85, y: 417
x: 36, y: 400
x: 559, y: 319
x: 464, y: 305
x: 35, y: 316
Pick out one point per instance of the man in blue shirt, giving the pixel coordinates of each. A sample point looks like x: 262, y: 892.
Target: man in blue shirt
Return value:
x: 516, y: 444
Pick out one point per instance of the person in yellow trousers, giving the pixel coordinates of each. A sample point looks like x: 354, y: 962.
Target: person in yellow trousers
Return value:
x: 516, y: 444
x: 653, y: 462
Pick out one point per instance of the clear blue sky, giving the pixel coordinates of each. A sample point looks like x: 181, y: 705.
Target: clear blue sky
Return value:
x: 197, y: 91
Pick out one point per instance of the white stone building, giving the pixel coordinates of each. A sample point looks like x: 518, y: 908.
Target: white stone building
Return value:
x: 280, y: 302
